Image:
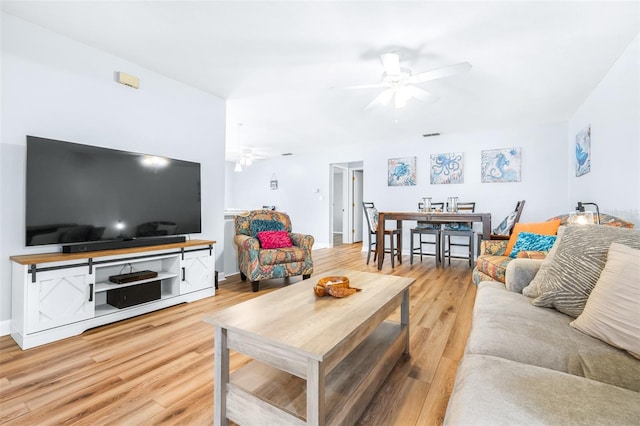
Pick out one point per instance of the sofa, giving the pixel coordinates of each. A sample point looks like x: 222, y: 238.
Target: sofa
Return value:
x: 532, y: 360
x: 493, y: 259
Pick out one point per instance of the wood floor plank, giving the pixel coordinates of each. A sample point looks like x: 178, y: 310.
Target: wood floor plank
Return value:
x: 158, y: 368
x: 12, y: 412
x: 435, y: 404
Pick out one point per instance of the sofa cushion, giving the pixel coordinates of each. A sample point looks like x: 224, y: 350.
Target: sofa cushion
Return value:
x: 577, y: 264
x: 505, y: 324
x: 281, y: 255
x: 477, y: 277
x: 493, y: 266
x: 612, y: 312
x: 495, y: 391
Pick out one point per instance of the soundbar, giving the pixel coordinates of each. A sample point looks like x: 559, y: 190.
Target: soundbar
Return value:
x: 120, y: 244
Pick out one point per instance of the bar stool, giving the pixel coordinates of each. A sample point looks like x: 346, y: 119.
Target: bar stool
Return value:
x: 459, y: 229
x: 371, y: 213
x: 426, y: 228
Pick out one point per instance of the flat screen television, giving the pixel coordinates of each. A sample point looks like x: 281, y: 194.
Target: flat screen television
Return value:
x: 79, y: 194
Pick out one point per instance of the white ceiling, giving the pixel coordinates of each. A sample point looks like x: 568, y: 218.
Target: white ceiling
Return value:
x: 278, y: 63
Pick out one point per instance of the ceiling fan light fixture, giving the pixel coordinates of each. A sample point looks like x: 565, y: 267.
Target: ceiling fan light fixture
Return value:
x: 403, y: 94
x: 385, y: 96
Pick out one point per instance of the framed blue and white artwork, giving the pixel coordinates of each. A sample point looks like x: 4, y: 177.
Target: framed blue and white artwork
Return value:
x: 402, y: 171
x: 501, y: 165
x: 583, y: 151
x: 447, y: 168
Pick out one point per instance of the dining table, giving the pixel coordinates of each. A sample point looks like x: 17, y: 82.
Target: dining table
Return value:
x: 430, y: 217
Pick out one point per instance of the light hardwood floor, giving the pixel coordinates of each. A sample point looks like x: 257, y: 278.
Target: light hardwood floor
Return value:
x: 158, y: 368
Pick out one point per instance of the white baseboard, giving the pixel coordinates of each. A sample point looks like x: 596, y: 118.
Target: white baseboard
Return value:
x: 321, y: 245
x: 5, y: 327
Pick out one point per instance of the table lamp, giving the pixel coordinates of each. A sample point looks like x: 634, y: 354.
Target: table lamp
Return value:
x: 582, y: 217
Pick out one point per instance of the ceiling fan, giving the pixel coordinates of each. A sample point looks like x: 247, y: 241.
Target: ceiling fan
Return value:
x: 248, y: 156
x: 400, y: 85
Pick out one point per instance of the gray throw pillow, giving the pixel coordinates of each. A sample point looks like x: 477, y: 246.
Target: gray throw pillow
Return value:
x: 533, y: 289
x: 577, y: 264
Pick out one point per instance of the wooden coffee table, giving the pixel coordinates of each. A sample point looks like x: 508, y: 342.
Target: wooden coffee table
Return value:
x: 315, y: 360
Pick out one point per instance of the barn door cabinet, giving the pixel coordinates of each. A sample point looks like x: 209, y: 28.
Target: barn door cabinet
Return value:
x: 58, y: 295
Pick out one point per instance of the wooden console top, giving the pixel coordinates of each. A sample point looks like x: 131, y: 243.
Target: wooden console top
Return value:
x: 30, y: 259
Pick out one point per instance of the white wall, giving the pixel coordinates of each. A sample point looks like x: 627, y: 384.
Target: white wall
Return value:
x: 57, y: 88
x: 613, y: 111
x: 543, y: 185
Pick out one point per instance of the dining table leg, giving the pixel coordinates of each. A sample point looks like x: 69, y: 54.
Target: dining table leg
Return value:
x: 380, y: 240
x: 399, y: 227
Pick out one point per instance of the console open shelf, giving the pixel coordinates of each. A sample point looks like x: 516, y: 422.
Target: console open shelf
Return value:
x: 107, y: 285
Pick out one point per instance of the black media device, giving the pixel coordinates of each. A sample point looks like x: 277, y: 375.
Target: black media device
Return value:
x: 90, y: 198
x: 134, y: 295
x: 132, y: 276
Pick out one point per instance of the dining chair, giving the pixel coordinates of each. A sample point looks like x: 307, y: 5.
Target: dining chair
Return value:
x: 426, y: 229
x: 371, y: 213
x: 459, y: 229
x: 504, y: 230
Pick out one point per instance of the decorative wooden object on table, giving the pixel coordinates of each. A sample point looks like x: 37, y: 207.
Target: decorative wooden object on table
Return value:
x: 309, y: 348
x: 334, y: 286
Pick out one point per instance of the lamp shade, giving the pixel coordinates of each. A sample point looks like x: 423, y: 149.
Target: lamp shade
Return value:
x: 580, y: 218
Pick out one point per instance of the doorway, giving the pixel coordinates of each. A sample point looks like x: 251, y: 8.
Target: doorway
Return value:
x: 346, y: 218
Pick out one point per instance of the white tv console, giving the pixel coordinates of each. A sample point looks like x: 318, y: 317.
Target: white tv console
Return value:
x: 59, y: 295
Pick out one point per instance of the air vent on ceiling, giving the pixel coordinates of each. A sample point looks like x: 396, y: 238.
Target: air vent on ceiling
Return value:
x: 287, y: 154
x: 427, y: 135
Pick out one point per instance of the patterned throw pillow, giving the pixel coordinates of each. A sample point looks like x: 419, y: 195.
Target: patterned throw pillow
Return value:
x: 274, y: 239
x: 544, y: 228
x: 260, y: 225
x: 505, y: 226
x: 533, y: 289
x: 532, y: 242
x: 577, y: 264
x: 612, y: 312
x: 372, y: 213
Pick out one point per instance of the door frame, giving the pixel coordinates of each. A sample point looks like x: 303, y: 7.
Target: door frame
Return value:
x: 350, y: 205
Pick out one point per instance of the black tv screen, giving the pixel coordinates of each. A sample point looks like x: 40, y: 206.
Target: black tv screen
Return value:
x: 79, y: 193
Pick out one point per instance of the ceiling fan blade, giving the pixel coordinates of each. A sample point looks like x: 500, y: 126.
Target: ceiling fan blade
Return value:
x: 364, y: 86
x: 441, y: 72
x: 423, y: 95
x: 383, y: 98
x: 391, y: 63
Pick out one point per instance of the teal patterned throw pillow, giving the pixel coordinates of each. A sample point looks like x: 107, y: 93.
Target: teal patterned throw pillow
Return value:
x: 260, y: 225
x: 532, y: 242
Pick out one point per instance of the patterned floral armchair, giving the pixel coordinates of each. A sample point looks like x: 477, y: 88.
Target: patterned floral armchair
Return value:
x: 259, y: 263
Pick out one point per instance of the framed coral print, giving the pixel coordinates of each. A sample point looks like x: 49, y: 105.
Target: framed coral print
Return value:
x: 501, y: 165
x: 583, y: 151
x: 447, y: 168
x: 402, y: 171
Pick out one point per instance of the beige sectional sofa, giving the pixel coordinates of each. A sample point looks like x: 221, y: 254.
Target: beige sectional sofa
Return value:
x: 525, y: 364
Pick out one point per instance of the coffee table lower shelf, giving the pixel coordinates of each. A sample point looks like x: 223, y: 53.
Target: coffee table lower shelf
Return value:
x: 259, y: 393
